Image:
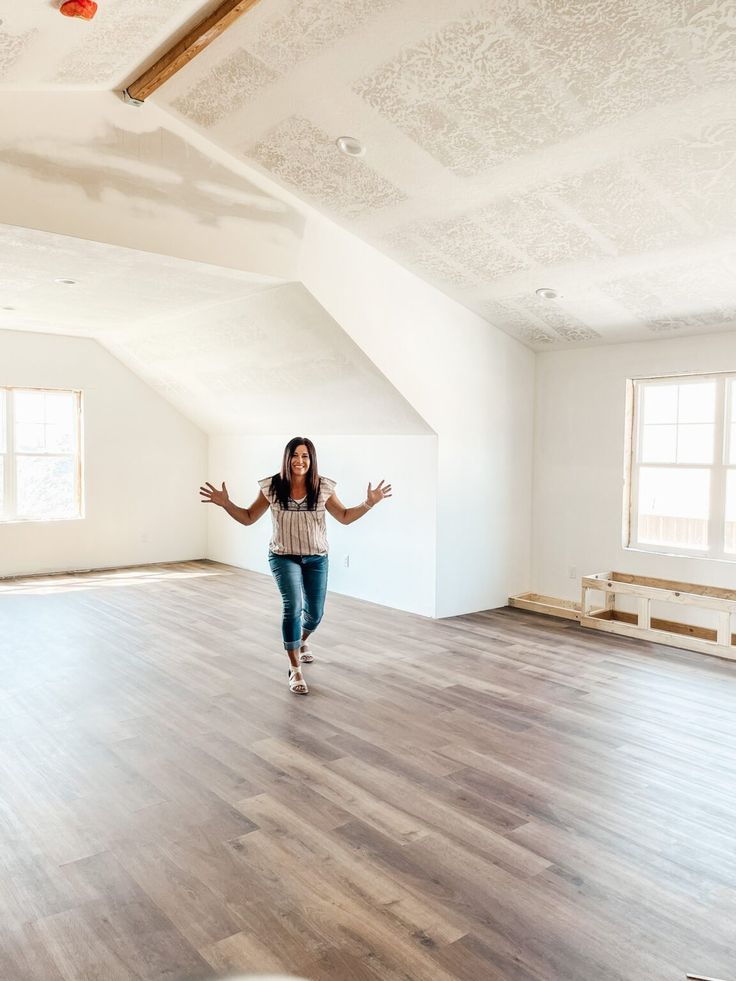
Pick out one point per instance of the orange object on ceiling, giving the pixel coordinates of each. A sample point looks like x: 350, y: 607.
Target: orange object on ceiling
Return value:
x: 79, y: 8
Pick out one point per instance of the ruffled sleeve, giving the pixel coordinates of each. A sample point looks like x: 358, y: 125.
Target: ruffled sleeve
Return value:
x: 326, y: 488
x: 265, y: 486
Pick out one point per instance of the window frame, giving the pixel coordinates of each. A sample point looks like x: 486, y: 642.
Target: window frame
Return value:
x: 719, y: 468
x: 9, y: 509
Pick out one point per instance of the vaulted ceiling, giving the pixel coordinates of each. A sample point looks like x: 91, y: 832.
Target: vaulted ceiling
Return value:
x: 579, y: 145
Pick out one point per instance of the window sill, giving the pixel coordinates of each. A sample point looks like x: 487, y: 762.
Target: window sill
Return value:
x: 679, y: 555
x: 39, y: 521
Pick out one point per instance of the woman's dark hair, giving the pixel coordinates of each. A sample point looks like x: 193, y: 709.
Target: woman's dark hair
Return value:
x: 281, y: 482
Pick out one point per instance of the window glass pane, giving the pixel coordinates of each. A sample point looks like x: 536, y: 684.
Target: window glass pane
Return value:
x: 659, y: 444
x: 673, y: 507
x: 56, y: 429
x: 660, y: 403
x: 732, y: 400
x: 29, y: 406
x: 730, y: 543
x: 697, y: 402
x: 60, y: 439
x: 2, y: 484
x: 732, y: 444
x: 695, y: 443
x: 29, y: 437
x: 45, y: 487
x: 3, y: 447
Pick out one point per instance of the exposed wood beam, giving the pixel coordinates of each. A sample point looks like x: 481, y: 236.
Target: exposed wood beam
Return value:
x: 700, y: 977
x: 189, y: 47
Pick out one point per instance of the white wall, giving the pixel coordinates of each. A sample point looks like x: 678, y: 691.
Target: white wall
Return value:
x: 579, y: 460
x: 391, y: 550
x: 473, y: 384
x: 143, y: 464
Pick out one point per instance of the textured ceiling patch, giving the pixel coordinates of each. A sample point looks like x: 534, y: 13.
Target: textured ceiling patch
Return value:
x: 704, y: 35
x: 684, y: 296
x: 113, y: 42
x: 511, y: 235
x: 458, y: 250
x: 306, y: 26
x: 305, y: 157
x: 553, y: 316
x: 698, y: 173
x: 625, y: 206
x: 227, y: 88
x: 468, y: 243
x: 423, y: 253
x: 614, y: 58
x: 532, y: 225
x: 513, y: 322
x: 11, y: 47
x: 469, y: 96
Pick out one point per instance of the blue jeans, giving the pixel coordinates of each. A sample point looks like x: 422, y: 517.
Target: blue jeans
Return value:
x: 302, y: 582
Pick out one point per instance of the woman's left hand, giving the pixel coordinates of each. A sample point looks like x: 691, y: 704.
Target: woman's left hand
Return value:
x: 381, y: 491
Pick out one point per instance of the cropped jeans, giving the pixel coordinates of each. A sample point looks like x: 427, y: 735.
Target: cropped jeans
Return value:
x: 302, y: 582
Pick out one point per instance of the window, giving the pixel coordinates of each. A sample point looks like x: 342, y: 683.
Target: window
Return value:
x: 681, y: 487
x: 40, y: 456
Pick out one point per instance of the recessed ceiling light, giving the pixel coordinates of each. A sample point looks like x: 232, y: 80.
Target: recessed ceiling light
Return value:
x: 547, y: 294
x: 350, y: 146
x: 8, y: 308
x: 66, y: 282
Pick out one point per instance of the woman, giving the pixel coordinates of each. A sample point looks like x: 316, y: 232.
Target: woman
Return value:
x: 298, y: 498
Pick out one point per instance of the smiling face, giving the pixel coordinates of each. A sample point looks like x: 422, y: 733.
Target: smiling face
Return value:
x: 300, y: 462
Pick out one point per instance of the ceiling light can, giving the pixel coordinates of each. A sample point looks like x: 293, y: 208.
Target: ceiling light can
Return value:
x: 66, y: 282
x: 545, y: 293
x: 350, y: 146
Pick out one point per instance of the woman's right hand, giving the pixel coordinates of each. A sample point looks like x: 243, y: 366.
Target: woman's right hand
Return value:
x: 211, y: 495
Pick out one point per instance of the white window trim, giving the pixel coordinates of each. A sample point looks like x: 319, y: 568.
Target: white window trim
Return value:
x: 8, y: 514
x: 718, y: 469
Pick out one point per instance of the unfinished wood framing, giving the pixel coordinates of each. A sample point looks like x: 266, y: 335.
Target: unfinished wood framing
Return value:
x: 568, y: 609
x: 188, y: 48
x: 719, y: 640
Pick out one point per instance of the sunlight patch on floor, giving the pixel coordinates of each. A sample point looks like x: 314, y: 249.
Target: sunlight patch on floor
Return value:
x: 78, y: 582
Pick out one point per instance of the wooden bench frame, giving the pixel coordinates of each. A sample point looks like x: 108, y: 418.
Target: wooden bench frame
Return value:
x: 720, y: 640
x: 568, y: 609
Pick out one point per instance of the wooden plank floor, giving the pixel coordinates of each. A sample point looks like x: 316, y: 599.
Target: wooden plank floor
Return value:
x: 500, y: 796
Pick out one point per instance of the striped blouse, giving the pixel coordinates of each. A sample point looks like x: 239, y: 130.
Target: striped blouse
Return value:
x: 296, y: 530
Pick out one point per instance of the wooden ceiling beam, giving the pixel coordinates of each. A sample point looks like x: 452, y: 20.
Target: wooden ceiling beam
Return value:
x: 189, y: 47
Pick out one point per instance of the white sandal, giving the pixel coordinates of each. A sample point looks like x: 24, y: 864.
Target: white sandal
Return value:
x: 305, y: 654
x: 295, y: 685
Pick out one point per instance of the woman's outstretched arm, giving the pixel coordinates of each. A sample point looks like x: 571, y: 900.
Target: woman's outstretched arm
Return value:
x: 246, y: 516
x: 346, y: 516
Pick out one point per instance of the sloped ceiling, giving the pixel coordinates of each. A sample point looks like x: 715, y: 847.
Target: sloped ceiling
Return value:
x: 585, y: 146
x: 86, y: 165
x: 108, y: 288
x: 41, y: 50
x: 233, y: 351
x: 581, y: 145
